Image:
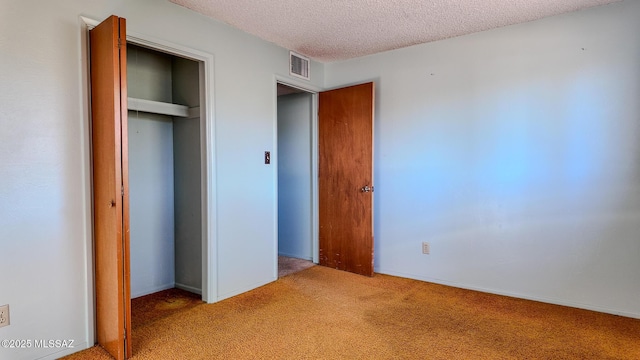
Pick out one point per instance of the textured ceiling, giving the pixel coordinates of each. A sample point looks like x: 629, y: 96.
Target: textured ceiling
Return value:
x: 330, y: 30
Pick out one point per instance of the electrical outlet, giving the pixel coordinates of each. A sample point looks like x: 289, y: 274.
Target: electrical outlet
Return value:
x: 4, y: 315
x: 426, y: 248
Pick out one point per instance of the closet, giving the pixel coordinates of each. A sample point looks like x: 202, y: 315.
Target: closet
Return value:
x: 164, y: 135
x: 149, y: 173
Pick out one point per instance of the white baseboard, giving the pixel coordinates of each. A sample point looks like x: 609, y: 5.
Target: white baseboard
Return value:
x: 513, y: 295
x: 244, y: 289
x: 296, y: 256
x: 188, y: 288
x: 62, y: 353
x: 152, y: 290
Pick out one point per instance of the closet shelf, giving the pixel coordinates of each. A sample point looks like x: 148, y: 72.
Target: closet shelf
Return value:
x: 163, y: 108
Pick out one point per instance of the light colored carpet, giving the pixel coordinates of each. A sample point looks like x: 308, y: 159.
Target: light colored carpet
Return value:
x: 153, y: 307
x: 289, y: 265
x: 322, y: 313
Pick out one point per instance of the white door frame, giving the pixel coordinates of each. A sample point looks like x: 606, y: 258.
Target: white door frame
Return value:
x: 313, y: 90
x: 207, y: 151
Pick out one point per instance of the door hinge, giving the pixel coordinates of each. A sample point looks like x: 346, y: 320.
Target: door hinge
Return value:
x: 119, y: 43
x: 122, y: 191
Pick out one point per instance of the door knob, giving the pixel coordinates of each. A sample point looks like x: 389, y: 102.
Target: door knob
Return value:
x: 366, y: 189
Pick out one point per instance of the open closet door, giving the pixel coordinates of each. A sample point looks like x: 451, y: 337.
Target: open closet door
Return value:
x: 110, y: 185
x: 345, y: 183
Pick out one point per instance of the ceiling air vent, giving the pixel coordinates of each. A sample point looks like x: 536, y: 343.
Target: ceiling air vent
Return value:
x: 298, y: 65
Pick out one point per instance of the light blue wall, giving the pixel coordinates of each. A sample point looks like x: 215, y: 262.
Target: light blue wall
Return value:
x: 151, y: 170
x: 187, y: 175
x: 152, y: 210
x: 188, y: 202
x: 45, y: 180
x: 294, y: 176
x: 516, y: 154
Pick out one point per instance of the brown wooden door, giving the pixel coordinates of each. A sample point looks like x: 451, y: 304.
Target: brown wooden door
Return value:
x: 345, y: 169
x: 110, y: 185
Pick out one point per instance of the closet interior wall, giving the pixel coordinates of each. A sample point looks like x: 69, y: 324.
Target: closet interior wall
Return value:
x: 295, y: 230
x: 164, y: 173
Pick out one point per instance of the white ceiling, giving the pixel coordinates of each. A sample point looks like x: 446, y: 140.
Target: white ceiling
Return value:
x: 331, y: 30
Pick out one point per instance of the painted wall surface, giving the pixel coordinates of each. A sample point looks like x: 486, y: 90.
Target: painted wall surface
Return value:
x: 149, y: 74
x: 294, y: 176
x: 188, y: 214
x: 516, y: 154
x: 45, y: 190
x: 187, y: 165
x: 151, y: 188
x: 151, y: 184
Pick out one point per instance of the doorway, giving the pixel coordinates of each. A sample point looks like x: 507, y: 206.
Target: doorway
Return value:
x: 164, y: 172
x: 339, y: 195
x: 295, y: 169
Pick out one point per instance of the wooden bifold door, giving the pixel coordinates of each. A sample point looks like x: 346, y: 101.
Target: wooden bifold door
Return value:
x: 110, y: 185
